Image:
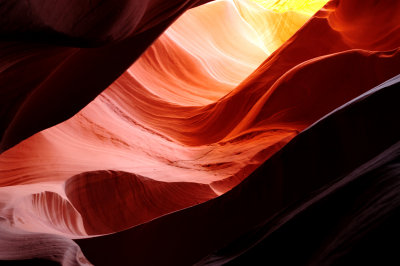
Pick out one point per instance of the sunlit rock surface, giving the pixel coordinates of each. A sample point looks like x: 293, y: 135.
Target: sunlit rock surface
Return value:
x: 215, y: 96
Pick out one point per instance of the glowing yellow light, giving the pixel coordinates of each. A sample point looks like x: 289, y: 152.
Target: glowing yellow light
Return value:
x: 304, y: 6
x: 275, y: 21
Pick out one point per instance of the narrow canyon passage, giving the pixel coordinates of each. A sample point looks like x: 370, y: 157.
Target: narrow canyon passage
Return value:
x: 207, y: 101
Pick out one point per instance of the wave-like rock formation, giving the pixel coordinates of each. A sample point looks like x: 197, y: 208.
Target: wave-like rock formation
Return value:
x: 141, y: 199
x: 334, y: 205
x: 245, y: 132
